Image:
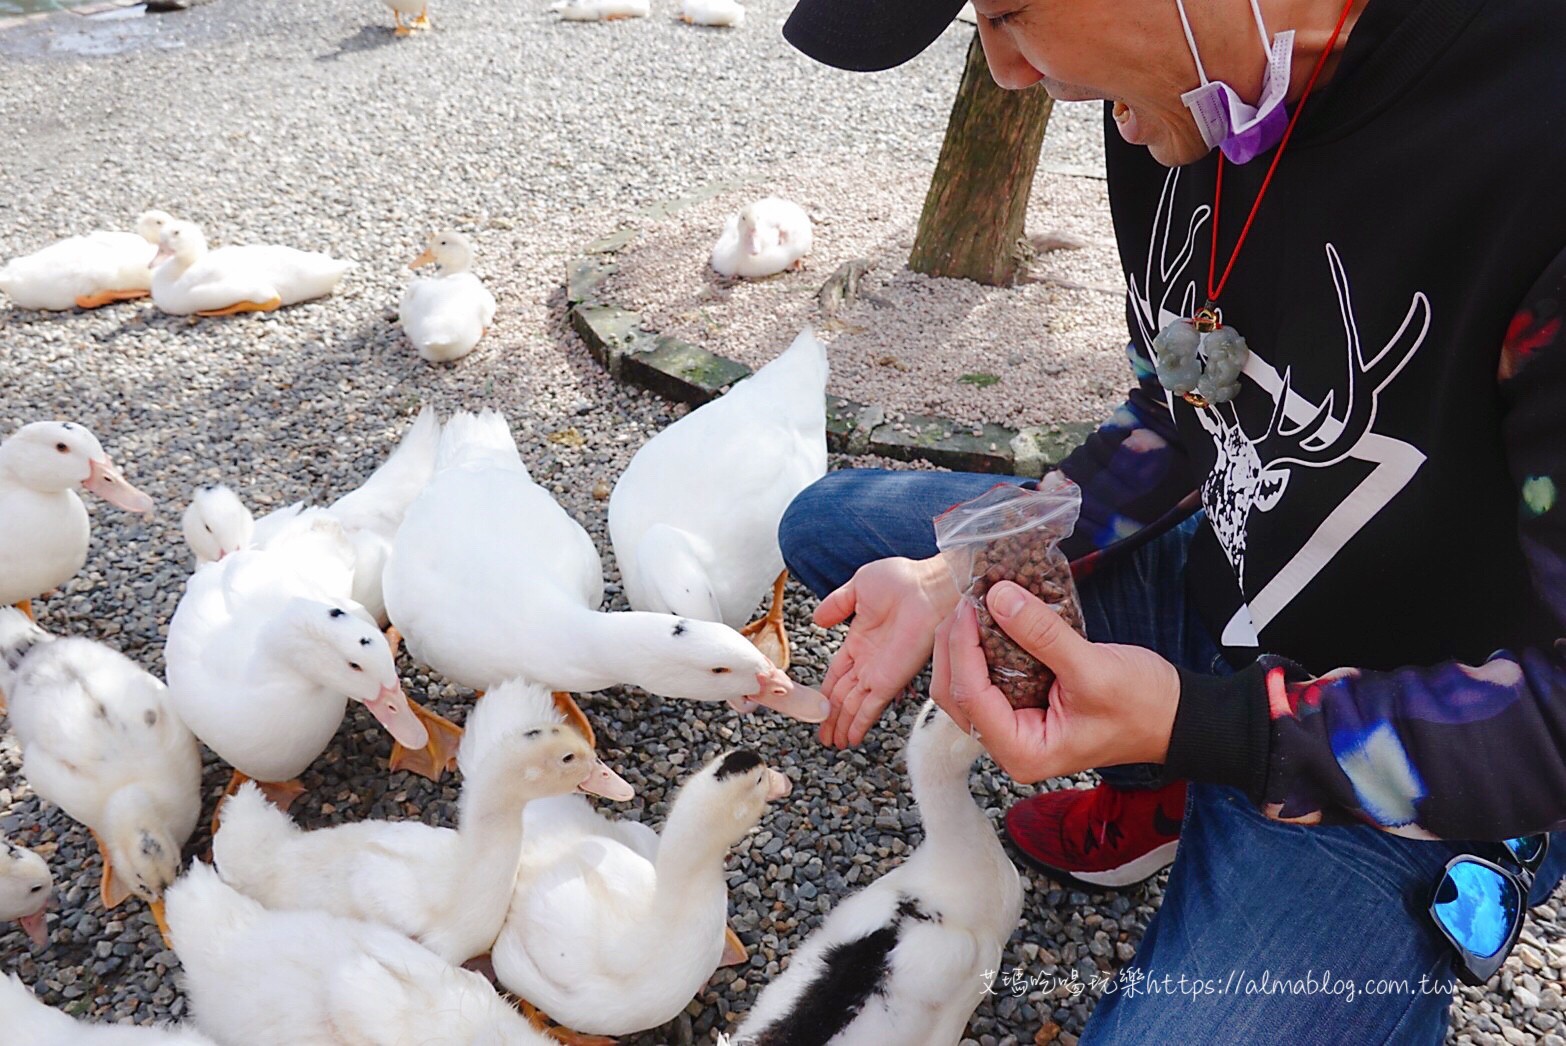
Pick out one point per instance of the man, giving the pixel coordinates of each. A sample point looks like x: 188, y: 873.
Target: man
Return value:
x: 1361, y: 631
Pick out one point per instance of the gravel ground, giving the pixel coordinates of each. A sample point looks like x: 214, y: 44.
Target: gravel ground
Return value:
x: 304, y: 122
x: 1049, y: 350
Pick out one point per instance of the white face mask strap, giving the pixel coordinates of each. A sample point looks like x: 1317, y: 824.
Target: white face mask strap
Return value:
x: 1261, y: 27
x: 1190, y: 40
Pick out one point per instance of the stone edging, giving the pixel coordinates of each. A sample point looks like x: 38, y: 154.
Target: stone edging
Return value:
x: 681, y: 371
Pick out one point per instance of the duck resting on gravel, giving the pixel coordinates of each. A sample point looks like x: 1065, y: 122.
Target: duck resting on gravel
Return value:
x: 763, y: 239
x: 448, y: 889
x: 85, y: 272
x: 904, y: 959
x: 25, y: 889
x: 189, y: 278
x: 613, y: 927
x: 446, y: 314
x: 29, y: 1021
x: 261, y: 978
x: 43, y: 524
x: 694, y: 517
x: 490, y: 579
x: 266, y: 649
x: 100, y: 740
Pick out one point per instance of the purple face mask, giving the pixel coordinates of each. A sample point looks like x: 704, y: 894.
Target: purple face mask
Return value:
x: 1223, y: 118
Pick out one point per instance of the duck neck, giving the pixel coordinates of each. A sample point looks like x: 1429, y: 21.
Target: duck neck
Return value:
x: 689, y: 865
x: 489, y: 847
x: 586, y: 650
x: 953, y: 821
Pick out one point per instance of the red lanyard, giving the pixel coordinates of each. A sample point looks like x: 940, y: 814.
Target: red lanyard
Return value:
x: 1212, y: 257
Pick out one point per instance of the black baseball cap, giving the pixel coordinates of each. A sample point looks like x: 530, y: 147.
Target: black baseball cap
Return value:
x: 866, y: 36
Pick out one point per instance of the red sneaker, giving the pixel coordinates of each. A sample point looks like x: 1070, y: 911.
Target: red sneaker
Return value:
x: 1098, y: 837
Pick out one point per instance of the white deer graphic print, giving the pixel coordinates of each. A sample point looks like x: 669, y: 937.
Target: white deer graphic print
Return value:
x: 1252, y: 472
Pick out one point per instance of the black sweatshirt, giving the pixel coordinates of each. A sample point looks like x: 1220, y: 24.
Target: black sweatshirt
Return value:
x: 1395, y: 525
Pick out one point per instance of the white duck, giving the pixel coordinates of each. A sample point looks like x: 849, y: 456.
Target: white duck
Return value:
x: 217, y: 523
x: 25, y: 889
x: 188, y: 278
x: 85, y: 272
x: 100, y: 740
x: 266, y: 649
x: 416, y: 11
x: 904, y: 959
x: 261, y: 978
x: 491, y: 580
x: 694, y: 518
x: 29, y: 1021
x: 614, y: 928
x: 43, y: 524
x: 445, y: 315
x: 600, y: 10
x: 448, y: 889
x: 712, y: 12
x: 763, y: 239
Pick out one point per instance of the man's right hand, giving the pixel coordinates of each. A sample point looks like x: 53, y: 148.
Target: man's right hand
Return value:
x: 896, y: 606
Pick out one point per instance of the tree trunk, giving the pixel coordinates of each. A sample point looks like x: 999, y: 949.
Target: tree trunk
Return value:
x: 973, y: 214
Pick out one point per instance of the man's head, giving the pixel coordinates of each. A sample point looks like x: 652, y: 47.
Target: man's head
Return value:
x: 1131, y: 52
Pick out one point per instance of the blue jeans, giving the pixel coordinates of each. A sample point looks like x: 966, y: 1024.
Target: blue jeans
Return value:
x: 1247, y: 897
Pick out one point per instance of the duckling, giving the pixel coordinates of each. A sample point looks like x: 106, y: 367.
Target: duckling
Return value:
x: 416, y: 11
x: 600, y: 10
x: 712, y: 12
x: 260, y: 978
x: 763, y: 239
x: 43, y: 525
x: 189, y: 278
x: 217, y: 523
x: 903, y: 960
x: 25, y: 889
x: 29, y: 1021
x: 86, y: 271
x: 613, y: 928
x: 445, y: 315
x: 100, y: 740
x: 447, y: 889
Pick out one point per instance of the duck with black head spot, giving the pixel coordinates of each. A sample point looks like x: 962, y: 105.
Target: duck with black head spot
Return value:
x: 25, y: 889
x: 43, y: 524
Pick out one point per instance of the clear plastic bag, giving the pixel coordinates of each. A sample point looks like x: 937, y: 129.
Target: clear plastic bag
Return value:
x: 1009, y: 533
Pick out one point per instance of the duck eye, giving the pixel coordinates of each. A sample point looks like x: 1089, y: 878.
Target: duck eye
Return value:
x: 338, y: 612
x: 719, y: 671
x: 569, y: 757
x: 36, y: 889
x: 62, y: 448
x: 207, y: 527
x: 355, y: 666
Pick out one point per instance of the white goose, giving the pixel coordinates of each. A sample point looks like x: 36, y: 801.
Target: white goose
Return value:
x: 613, y: 928
x: 903, y: 960
x: 763, y: 239
x: 448, y: 889
x: 445, y: 315
x: 25, y: 889
x: 266, y: 649
x: 43, y: 524
x: 260, y: 978
x: 694, y: 518
x: 217, y: 523
x: 189, y: 278
x: 100, y: 741
x: 29, y: 1021
x: 85, y: 272
x: 728, y: 13
x: 491, y: 580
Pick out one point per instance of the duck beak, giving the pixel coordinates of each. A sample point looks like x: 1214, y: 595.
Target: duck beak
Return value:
x: 605, y: 782
x: 782, y: 694
x: 395, y: 712
x: 163, y: 254
x: 427, y: 258
x: 35, y: 927
x: 778, y: 785
x: 109, y: 483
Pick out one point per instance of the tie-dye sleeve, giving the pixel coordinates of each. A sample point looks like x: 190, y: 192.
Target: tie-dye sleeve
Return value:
x: 1452, y: 751
x: 1134, y: 473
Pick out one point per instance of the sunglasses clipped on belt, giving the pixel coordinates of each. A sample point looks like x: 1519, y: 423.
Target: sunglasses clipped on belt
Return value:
x: 1480, y: 905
